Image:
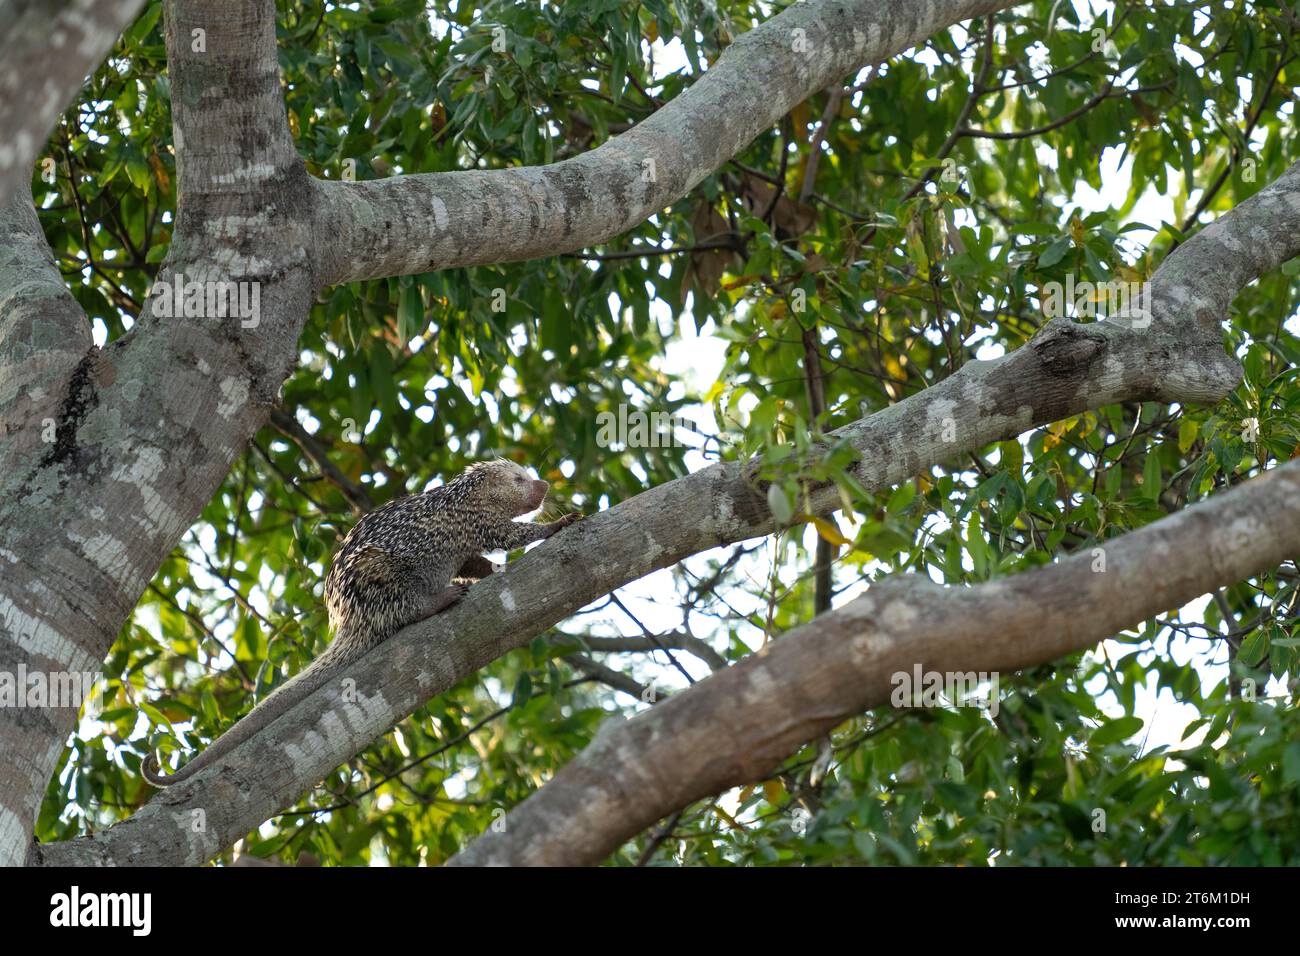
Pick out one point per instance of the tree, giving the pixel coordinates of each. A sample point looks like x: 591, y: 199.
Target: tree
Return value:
x: 875, y: 206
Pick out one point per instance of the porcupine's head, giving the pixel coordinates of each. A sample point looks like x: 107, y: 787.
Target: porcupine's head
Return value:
x: 504, y: 487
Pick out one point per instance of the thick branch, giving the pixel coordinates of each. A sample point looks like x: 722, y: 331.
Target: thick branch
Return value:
x: 44, y: 335
x: 148, y: 426
x: 738, y: 725
x: 48, y: 47
x: 1200, y: 278
x: 418, y: 223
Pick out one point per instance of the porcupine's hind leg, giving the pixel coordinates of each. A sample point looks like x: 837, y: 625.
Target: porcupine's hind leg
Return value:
x: 433, y: 598
x: 446, y: 598
x: 426, y: 603
x: 417, y: 597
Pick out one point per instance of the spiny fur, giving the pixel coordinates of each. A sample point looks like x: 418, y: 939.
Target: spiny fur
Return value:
x: 395, y: 567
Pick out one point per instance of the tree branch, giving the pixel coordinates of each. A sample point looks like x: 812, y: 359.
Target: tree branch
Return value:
x: 36, y: 86
x: 147, y: 427
x: 674, y: 640
x: 739, y: 724
x: 44, y: 334
x: 417, y: 223
x: 319, y: 456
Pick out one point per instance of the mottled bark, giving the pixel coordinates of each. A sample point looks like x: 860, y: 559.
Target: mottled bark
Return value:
x: 44, y: 335
x: 144, y: 431
x: 47, y: 48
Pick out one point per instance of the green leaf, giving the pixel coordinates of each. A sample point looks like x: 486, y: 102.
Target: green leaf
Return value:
x: 1115, y: 730
x: 523, y: 689
x: 381, y: 378
x: 409, y: 313
x: 1054, y: 253
x: 1254, y: 647
x: 901, y: 497
x: 156, y: 717
x: 1291, y: 763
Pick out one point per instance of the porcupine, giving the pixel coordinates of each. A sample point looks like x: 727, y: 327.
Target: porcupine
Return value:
x: 403, y: 562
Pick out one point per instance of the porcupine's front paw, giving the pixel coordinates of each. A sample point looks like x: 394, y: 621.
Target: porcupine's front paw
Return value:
x: 564, y: 521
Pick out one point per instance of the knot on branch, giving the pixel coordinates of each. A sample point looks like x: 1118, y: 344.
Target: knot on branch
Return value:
x: 1064, y: 346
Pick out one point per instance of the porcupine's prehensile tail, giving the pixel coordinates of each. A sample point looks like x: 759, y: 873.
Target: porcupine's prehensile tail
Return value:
x: 283, y: 699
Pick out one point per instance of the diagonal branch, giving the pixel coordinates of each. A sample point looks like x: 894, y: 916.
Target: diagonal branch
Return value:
x: 417, y: 223
x: 739, y: 724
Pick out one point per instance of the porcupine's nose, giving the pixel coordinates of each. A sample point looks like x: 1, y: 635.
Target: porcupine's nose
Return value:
x: 539, y: 493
